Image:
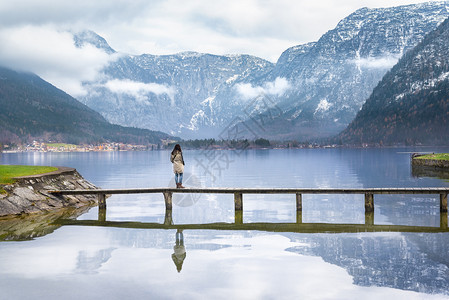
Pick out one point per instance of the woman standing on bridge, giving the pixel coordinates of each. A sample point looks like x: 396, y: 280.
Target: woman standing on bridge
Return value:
x: 178, y: 165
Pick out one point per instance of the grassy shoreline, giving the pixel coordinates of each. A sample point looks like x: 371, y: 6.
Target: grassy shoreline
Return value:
x: 8, y: 172
x: 435, y: 156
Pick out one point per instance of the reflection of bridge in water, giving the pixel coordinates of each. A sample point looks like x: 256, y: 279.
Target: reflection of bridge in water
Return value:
x: 180, y: 252
x: 298, y: 226
x: 238, y: 224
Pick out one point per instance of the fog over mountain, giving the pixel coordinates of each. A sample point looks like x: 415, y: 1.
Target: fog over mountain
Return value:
x: 332, y: 78
x: 314, y: 89
x: 411, y: 104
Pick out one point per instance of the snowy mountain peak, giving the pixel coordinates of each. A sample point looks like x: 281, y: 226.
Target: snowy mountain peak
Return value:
x: 319, y: 86
x: 344, y: 65
x: 89, y: 37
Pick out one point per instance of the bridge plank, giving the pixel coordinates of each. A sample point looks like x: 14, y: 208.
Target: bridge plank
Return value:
x: 258, y: 191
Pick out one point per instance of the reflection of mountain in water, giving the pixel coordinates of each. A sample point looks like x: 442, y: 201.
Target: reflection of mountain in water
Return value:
x: 409, y: 262
x: 90, y: 263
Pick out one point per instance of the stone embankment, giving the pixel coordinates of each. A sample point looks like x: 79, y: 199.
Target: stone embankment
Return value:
x: 429, y: 163
x: 29, y: 194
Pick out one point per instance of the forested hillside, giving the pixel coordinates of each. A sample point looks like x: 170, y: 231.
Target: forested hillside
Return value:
x: 411, y: 103
x: 31, y: 108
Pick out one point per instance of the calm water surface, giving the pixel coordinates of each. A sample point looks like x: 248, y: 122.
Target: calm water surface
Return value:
x: 91, y: 262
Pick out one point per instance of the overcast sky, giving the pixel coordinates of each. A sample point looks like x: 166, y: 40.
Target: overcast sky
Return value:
x: 33, y: 33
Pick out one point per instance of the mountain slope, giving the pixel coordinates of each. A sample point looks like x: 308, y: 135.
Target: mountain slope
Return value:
x: 331, y: 79
x: 31, y: 108
x: 315, y: 89
x: 411, y: 103
x: 175, y: 93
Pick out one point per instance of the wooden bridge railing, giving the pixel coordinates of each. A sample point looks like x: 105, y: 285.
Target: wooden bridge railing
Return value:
x: 238, y: 194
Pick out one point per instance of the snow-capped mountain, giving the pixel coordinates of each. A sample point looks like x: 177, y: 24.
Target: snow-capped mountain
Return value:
x: 175, y: 93
x: 410, y: 105
x: 314, y: 90
x: 89, y: 37
x: 332, y: 78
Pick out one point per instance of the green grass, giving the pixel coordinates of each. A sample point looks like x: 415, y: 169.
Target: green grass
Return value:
x: 7, y: 173
x: 437, y: 156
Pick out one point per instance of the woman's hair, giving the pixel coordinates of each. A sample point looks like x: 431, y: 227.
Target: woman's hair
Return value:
x: 177, y: 148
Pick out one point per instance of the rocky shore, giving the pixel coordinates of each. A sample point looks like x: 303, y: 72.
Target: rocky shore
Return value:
x: 429, y: 163
x: 29, y: 194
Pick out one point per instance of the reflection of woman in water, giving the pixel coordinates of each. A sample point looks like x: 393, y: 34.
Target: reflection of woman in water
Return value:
x: 178, y: 165
x: 180, y: 251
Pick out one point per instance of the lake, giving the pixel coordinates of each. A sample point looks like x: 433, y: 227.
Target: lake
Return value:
x: 92, y: 262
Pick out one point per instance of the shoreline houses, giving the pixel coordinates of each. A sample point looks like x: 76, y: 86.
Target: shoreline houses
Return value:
x: 62, y: 147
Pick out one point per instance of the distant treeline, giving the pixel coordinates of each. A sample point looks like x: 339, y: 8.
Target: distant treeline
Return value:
x: 238, y: 144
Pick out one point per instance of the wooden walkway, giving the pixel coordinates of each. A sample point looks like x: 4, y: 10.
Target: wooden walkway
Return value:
x: 239, y: 192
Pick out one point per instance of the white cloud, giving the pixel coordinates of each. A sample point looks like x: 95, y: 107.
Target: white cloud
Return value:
x: 384, y: 62
x: 275, y: 88
x: 34, y: 34
x: 52, y: 55
x: 139, y: 90
x: 259, y: 27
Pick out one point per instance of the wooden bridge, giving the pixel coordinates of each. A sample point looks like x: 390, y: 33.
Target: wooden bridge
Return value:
x: 238, y: 224
x: 239, y: 192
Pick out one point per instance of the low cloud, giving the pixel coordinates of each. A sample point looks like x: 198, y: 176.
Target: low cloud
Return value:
x: 384, y: 62
x: 259, y: 27
x: 139, y: 90
x: 274, y: 88
x: 52, y: 55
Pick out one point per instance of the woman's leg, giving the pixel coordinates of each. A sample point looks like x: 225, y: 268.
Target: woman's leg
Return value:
x: 180, y: 180
x: 176, y: 178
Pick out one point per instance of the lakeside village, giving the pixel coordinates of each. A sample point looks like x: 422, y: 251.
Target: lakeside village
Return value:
x: 36, y: 146
x: 210, y: 144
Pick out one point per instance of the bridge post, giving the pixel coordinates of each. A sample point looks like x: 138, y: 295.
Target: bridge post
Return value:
x: 369, y: 218
x: 238, y: 217
x: 101, y: 201
x: 299, y: 217
x: 168, y: 217
x: 168, y: 196
x: 369, y: 202
x: 238, y: 201
x: 298, y: 202
x: 443, y: 203
x: 101, y: 214
x: 443, y: 220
